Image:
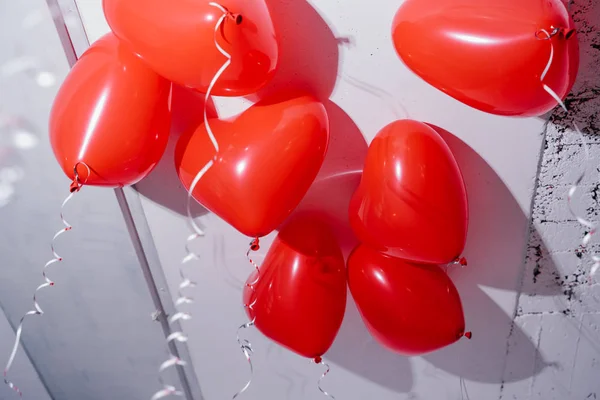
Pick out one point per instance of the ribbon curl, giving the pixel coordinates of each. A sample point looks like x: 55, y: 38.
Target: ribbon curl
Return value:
x: 245, y: 344
x: 319, y: 361
x: 591, y: 227
x: 76, y: 185
x: 197, y: 232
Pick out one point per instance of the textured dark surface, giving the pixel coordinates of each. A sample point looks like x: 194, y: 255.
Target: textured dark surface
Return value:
x: 559, y: 307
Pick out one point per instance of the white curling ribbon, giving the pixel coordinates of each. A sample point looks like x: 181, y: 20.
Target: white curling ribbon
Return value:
x: 573, y: 189
x: 178, y: 336
x: 171, y: 362
x: 186, y: 283
x: 596, y: 265
x: 180, y: 316
x: 184, y: 300
x: 37, y: 310
x: 169, y: 390
x: 189, y: 257
x: 245, y: 344
x: 325, y: 393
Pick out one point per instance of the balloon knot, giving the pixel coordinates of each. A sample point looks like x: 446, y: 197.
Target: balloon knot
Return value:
x: 237, y: 18
x: 468, y: 334
x: 77, y: 182
x: 75, y: 186
x: 318, y: 360
x: 568, y: 33
x: 462, y: 261
x: 254, y: 244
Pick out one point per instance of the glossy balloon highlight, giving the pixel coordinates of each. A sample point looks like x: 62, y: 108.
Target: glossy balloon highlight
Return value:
x: 300, y: 297
x: 411, y: 202
x: 411, y: 309
x: 269, y: 156
x: 111, y: 117
x: 490, y: 54
x: 177, y: 39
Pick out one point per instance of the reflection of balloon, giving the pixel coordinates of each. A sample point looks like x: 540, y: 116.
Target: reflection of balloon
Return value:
x: 485, y: 53
x: 177, y: 39
x: 409, y: 308
x: 411, y: 202
x: 301, y: 291
x: 269, y: 156
x: 112, y: 114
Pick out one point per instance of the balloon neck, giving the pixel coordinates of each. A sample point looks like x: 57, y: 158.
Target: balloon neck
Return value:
x: 462, y: 261
x: 567, y: 33
x: 236, y: 17
x: 318, y: 360
x: 255, y: 244
x: 78, y: 180
x: 75, y: 186
x: 563, y: 33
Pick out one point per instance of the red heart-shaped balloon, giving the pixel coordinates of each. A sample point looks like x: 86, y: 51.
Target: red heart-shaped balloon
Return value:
x: 269, y: 156
x: 490, y: 54
x: 299, y: 298
x: 411, y: 202
x: 177, y: 39
x: 409, y: 308
x: 111, y: 117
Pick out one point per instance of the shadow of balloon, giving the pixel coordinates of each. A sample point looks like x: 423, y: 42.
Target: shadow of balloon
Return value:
x: 497, y: 226
x: 162, y: 185
x: 308, y: 50
x: 295, y: 380
x: 497, y: 230
x: 308, y: 61
x: 329, y: 195
x: 357, y: 351
x: 482, y: 358
x: 493, y: 261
